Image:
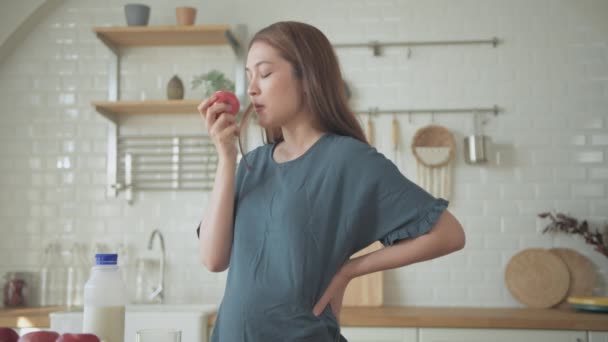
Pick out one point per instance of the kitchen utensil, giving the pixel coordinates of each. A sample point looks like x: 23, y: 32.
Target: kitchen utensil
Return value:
x: 537, y: 278
x: 366, y: 290
x: 433, y: 147
x: 476, y: 145
x: 475, y: 148
x: 370, y: 128
x: 596, y: 304
x: 583, y: 277
x: 158, y: 335
x: 395, y: 131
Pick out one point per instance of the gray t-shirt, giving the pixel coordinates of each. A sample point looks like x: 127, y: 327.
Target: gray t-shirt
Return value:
x: 297, y: 222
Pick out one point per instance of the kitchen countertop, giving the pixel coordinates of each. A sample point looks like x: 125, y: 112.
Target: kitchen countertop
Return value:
x: 398, y: 316
x: 462, y: 317
x: 27, y: 317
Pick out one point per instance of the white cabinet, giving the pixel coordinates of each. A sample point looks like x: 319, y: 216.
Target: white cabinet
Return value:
x: 598, y: 336
x: 359, y: 334
x: 380, y: 334
x: 500, y: 335
x: 191, y: 320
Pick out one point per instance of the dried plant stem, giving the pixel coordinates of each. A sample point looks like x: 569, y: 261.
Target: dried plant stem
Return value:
x: 569, y: 225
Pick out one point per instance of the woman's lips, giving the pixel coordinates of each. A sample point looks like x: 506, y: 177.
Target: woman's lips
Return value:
x: 259, y: 108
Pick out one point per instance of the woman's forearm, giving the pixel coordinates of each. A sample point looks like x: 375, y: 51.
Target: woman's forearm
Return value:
x: 447, y: 236
x: 217, y: 227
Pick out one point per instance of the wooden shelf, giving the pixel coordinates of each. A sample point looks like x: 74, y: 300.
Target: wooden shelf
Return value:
x: 117, y: 108
x: 117, y: 37
x: 164, y: 35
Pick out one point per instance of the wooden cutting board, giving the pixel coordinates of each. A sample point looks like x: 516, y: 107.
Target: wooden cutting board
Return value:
x: 367, y: 290
x: 583, y: 277
x: 537, y: 278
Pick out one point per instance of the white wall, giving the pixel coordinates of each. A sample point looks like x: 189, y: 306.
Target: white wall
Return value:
x: 550, y: 76
x: 13, y: 13
x: 18, y: 18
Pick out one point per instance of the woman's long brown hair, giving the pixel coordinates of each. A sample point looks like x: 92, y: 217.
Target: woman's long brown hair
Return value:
x: 314, y: 62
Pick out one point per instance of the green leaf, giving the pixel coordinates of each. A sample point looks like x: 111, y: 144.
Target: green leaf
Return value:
x: 212, y: 81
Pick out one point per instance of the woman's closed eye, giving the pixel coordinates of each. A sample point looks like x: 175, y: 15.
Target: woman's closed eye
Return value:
x: 266, y: 75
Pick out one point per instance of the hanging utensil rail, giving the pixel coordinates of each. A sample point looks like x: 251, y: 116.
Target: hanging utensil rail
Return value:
x: 494, y: 41
x: 494, y: 110
x: 377, y: 46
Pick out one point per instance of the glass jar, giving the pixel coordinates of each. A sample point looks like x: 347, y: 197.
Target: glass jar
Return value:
x: 146, y: 278
x: 15, y: 290
x: 76, y: 276
x: 52, y: 288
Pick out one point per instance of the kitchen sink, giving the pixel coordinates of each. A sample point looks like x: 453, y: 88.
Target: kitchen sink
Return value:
x: 190, y: 319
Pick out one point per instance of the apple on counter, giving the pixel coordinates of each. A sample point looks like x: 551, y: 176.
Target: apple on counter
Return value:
x: 39, y: 336
x: 8, y: 335
x: 45, y: 336
x: 78, y: 338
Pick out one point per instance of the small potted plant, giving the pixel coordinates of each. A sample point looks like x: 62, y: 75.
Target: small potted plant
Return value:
x: 212, y: 81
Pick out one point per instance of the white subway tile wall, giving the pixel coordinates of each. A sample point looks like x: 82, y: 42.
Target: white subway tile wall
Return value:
x: 549, y: 75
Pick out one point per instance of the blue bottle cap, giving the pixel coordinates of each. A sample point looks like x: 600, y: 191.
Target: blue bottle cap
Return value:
x: 106, y: 259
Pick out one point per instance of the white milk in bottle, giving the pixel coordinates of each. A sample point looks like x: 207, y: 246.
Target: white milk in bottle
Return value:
x: 105, y: 297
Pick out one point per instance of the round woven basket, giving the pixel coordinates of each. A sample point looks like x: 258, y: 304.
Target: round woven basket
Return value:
x: 433, y: 136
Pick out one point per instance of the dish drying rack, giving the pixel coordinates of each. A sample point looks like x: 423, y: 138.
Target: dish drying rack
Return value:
x: 164, y: 163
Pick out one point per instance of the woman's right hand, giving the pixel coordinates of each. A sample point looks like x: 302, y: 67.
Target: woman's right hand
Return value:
x: 221, y: 126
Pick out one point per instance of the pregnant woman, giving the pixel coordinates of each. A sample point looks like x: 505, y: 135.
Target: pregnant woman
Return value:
x: 305, y: 201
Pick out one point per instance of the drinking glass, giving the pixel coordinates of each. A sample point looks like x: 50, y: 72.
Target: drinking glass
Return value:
x: 158, y: 335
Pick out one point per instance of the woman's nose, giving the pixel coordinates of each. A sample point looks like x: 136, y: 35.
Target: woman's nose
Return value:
x: 253, y: 89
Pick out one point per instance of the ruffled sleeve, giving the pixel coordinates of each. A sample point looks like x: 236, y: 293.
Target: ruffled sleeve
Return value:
x: 385, y: 205
x: 421, y: 226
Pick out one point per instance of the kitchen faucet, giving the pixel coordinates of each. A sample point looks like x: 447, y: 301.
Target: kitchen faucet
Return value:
x: 158, y: 293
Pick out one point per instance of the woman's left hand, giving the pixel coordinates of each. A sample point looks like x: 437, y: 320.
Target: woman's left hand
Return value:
x: 334, y: 293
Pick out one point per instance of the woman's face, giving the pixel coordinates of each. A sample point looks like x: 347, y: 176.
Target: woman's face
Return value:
x: 273, y: 87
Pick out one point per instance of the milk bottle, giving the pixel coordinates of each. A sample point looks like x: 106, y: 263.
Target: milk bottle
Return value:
x: 105, y: 297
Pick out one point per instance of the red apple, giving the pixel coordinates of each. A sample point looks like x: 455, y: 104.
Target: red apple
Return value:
x: 39, y: 336
x: 229, y: 98
x: 78, y: 338
x: 8, y: 335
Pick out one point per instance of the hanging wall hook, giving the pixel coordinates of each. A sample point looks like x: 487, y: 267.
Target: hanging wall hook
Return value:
x: 475, y: 122
x: 377, y: 49
x: 484, y: 119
